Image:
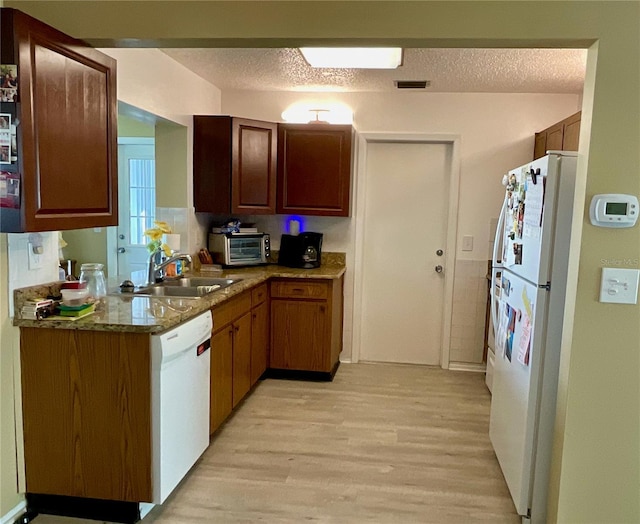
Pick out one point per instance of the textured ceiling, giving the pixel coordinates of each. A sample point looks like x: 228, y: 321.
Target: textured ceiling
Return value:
x: 449, y: 70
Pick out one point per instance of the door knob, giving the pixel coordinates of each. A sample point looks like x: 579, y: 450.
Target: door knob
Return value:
x: 121, y: 237
x: 439, y: 269
x: 439, y: 252
x: 121, y: 250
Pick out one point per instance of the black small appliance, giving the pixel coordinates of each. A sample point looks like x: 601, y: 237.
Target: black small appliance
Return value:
x: 303, y: 250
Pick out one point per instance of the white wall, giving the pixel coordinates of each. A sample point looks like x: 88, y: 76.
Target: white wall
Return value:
x: 497, y: 132
x: 150, y: 80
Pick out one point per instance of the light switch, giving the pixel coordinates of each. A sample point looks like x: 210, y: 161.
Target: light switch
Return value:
x: 467, y: 243
x: 619, y: 286
x: 35, y: 256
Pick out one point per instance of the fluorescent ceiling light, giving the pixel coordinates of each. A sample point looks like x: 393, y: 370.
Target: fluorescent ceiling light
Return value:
x: 353, y: 57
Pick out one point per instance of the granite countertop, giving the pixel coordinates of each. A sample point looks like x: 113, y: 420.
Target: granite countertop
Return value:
x: 157, y: 314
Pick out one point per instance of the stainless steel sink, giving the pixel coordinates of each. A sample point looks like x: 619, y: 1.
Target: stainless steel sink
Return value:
x: 191, y: 287
x: 199, y: 281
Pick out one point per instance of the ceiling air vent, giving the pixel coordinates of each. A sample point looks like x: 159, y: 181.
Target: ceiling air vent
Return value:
x: 412, y: 84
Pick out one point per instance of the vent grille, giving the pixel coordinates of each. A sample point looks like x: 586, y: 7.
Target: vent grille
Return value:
x: 412, y: 84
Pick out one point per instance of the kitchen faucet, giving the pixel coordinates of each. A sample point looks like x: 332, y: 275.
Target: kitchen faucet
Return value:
x: 154, y: 270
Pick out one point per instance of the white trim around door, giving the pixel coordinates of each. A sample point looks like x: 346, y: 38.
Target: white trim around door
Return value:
x: 452, y: 225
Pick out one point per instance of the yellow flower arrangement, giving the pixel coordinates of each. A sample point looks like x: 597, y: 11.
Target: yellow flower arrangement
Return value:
x: 155, y: 236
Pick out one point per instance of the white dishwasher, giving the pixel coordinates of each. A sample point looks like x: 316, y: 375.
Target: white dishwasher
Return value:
x: 180, y: 370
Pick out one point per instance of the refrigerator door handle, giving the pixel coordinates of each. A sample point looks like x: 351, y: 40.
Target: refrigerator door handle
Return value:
x: 494, y: 303
x: 497, y: 242
x: 496, y: 266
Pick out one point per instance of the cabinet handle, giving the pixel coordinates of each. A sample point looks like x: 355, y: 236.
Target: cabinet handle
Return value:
x: 321, y: 309
x: 297, y: 290
x: 237, y: 328
x: 254, y: 316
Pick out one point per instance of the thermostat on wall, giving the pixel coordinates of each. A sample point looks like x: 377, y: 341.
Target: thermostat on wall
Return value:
x: 614, y: 210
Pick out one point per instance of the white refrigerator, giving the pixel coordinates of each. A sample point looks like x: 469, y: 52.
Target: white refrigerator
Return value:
x: 530, y: 262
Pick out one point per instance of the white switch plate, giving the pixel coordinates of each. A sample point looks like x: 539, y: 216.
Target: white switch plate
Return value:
x: 467, y: 243
x: 35, y: 259
x: 619, y: 286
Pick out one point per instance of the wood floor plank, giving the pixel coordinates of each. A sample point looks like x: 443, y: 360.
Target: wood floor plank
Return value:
x: 380, y: 444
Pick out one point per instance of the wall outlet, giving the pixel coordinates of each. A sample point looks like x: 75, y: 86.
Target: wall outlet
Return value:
x: 619, y: 286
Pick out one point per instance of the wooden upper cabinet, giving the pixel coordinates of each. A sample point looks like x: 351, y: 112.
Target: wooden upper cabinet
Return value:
x: 554, y: 138
x: 314, y: 169
x: 563, y: 136
x: 67, y: 129
x: 234, y: 165
x: 571, y: 132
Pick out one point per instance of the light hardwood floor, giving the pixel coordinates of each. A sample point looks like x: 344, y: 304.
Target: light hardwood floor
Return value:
x: 380, y: 444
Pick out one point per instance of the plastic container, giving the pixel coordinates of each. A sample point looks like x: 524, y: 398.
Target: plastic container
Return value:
x: 74, y: 297
x: 74, y: 284
x: 93, y: 275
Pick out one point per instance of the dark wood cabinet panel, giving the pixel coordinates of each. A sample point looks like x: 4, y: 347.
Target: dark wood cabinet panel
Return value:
x: 259, y: 340
x: 314, y: 169
x: 231, y: 356
x: 67, y: 131
x: 299, y: 335
x: 86, y: 399
x: 306, y: 325
x: 241, y: 357
x: 563, y: 136
x: 571, y: 132
x: 234, y: 165
x: 554, y: 138
x: 220, y: 401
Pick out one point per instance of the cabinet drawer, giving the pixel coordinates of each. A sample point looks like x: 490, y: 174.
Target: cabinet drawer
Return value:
x: 258, y: 295
x: 231, y: 310
x: 299, y: 289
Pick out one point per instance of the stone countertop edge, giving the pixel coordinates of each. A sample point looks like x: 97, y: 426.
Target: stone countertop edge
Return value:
x: 155, y: 315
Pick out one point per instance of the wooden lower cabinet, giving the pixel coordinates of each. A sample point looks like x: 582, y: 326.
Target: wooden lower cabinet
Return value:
x: 220, y: 392
x: 86, y: 399
x: 241, y: 357
x: 259, y: 331
x: 230, y: 357
x: 306, y: 324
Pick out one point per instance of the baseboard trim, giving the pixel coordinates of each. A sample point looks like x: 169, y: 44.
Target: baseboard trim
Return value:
x: 12, y: 515
x: 462, y: 366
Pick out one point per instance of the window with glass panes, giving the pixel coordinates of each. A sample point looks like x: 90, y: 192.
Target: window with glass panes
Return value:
x: 142, y: 198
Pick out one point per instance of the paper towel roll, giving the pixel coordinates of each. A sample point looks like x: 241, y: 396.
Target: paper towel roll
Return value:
x: 173, y: 241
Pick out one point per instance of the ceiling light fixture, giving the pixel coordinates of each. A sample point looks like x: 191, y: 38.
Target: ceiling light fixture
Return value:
x: 353, y: 57
x: 318, y: 111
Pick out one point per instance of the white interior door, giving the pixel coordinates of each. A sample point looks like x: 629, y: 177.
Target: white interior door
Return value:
x: 136, y: 203
x: 405, y: 224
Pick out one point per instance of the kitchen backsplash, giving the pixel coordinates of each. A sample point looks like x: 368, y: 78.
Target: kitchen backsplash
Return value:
x: 469, y: 310
x: 25, y: 272
x: 192, y: 228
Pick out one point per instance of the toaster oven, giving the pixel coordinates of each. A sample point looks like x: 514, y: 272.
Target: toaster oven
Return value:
x: 240, y: 249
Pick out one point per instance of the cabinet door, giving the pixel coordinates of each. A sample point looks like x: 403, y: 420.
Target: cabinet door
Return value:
x: 86, y: 403
x: 241, y: 358
x: 554, y: 138
x: 254, y: 167
x: 259, y: 340
x: 571, y: 135
x: 540, y: 146
x: 299, y: 339
x: 67, y: 130
x: 234, y: 165
x: 314, y: 169
x: 221, y: 377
